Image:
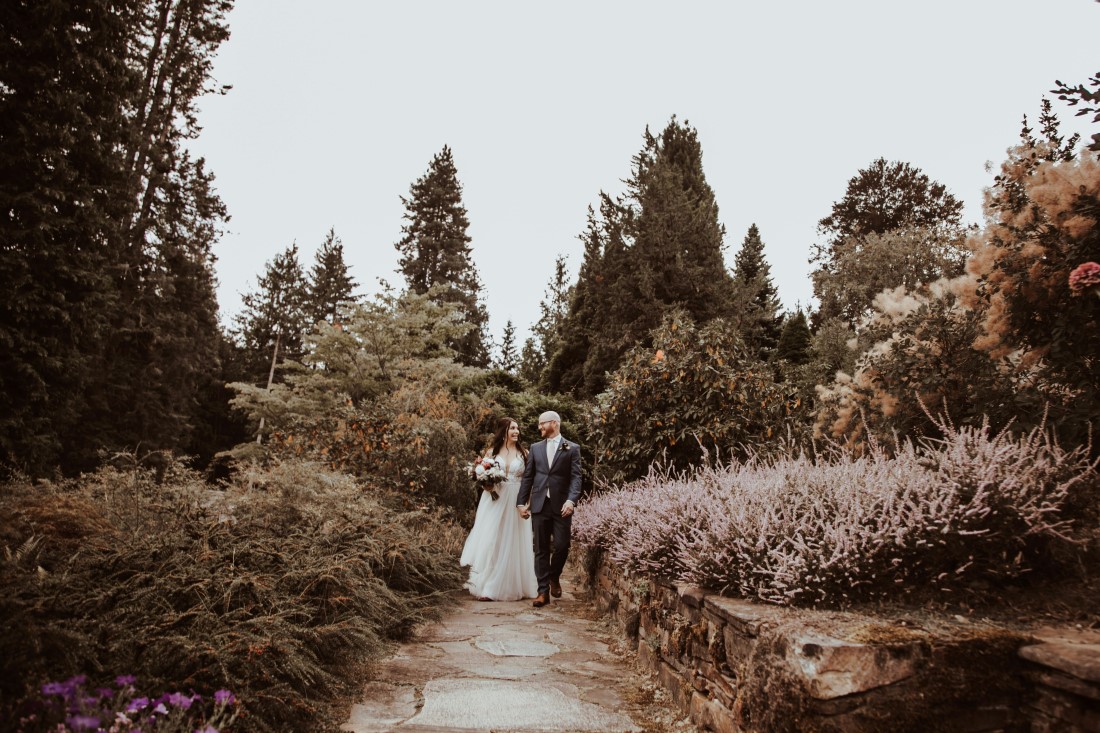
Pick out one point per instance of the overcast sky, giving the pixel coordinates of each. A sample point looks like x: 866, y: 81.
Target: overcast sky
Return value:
x: 338, y: 106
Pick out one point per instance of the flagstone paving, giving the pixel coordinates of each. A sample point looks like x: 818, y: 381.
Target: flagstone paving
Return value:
x: 512, y: 668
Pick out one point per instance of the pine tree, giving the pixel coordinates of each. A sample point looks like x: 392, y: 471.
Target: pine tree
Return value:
x: 546, y: 333
x: 108, y: 315
x: 794, y: 341
x: 275, y: 317
x: 755, y: 312
x: 565, y: 371
x: 435, y: 252
x: 657, y: 251
x: 330, y: 283
x: 509, y: 359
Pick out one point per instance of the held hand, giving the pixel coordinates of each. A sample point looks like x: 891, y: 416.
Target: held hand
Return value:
x: 523, y: 511
x: 567, y: 509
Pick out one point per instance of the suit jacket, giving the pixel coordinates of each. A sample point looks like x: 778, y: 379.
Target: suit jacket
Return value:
x: 554, y: 482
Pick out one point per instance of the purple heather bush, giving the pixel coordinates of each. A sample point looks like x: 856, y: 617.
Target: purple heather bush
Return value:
x: 832, y: 529
x: 70, y: 707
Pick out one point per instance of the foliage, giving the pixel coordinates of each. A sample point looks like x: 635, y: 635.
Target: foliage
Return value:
x: 69, y: 706
x: 657, y: 250
x: 108, y: 314
x: 794, y: 339
x: 921, y: 353
x: 974, y: 506
x: 754, y: 309
x: 1089, y: 99
x: 861, y: 267
x: 880, y: 199
x: 508, y: 360
x: 331, y: 286
x: 695, y: 395
x: 276, y: 316
x: 546, y: 334
x: 279, y: 587
x: 436, y: 255
x: 1043, y: 221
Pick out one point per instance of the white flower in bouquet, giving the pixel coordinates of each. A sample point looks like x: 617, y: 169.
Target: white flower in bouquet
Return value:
x: 488, y: 473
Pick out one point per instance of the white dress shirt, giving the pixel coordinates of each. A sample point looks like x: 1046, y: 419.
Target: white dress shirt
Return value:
x: 552, y: 448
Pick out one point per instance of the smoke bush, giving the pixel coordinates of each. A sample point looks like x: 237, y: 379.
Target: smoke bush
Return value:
x: 973, y: 505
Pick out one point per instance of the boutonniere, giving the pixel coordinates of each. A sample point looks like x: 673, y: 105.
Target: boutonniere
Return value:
x: 563, y: 446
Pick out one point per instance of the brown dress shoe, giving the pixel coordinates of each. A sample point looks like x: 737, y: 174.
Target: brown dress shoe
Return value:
x: 540, y: 600
x: 555, y: 589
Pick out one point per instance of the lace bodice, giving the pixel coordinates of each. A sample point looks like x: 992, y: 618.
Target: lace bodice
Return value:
x: 514, y: 470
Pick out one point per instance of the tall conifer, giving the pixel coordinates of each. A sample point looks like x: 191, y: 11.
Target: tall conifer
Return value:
x: 435, y: 251
x: 755, y: 310
x: 659, y: 250
x: 330, y: 282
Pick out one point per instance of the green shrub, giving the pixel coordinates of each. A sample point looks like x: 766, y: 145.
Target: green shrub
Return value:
x: 695, y: 394
x: 280, y: 588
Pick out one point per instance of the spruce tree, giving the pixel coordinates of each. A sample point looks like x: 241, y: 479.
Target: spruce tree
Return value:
x: 565, y: 371
x: 330, y: 283
x: 755, y: 310
x: 546, y: 333
x: 794, y: 341
x: 435, y: 252
x: 275, y: 316
x: 509, y: 358
x: 657, y: 251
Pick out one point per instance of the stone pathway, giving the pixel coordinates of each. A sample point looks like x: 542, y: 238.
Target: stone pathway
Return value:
x: 505, y: 667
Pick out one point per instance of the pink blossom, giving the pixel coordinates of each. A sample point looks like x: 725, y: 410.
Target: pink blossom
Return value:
x: 1085, y: 277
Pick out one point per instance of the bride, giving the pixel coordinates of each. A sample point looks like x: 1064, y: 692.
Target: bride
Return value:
x: 500, y: 548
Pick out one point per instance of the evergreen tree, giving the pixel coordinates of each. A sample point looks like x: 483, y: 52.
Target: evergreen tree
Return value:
x: 275, y: 317
x: 435, y: 251
x: 330, y: 284
x: 546, y: 333
x: 565, y: 371
x: 108, y: 313
x: 794, y: 341
x: 509, y: 359
x: 755, y: 310
x: 657, y: 251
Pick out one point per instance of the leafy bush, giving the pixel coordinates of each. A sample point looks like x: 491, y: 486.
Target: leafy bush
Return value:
x: 696, y: 393
x: 280, y: 587
x: 975, y: 505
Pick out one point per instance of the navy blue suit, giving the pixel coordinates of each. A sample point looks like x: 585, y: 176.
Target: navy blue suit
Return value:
x: 548, y: 485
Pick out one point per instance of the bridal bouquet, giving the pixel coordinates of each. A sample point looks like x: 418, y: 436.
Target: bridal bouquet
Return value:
x: 488, y: 473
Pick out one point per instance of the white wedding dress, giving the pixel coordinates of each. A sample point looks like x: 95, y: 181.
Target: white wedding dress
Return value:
x: 500, y: 549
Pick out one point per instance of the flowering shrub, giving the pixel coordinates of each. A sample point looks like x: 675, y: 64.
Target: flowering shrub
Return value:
x: 68, y: 707
x: 974, y: 505
x: 1085, y: 278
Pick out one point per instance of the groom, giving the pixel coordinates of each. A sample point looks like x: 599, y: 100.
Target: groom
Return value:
x: 550, y: 487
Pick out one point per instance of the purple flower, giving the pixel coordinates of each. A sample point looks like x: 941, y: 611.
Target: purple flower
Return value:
x: 160, y: 709
x: 104, y: 692
x: 125, y: 680
x: 137, y: 704
x: 178, y: 700
x: 55, y: 688
x: 83, y: 722
x: 77, y: 681
x: 224, y: 697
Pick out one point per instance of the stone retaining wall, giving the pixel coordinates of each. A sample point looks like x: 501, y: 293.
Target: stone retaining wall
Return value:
x: 740, y: 667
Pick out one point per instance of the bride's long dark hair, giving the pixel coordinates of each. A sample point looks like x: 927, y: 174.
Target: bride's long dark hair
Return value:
x: 504, y: 424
